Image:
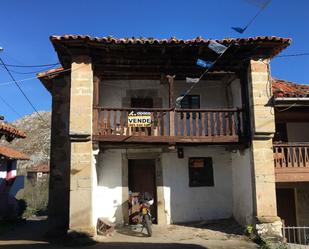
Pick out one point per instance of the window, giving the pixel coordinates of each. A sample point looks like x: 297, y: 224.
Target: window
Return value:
x: 200, y: 172
x: 141, y: 102
x: 190, y: 102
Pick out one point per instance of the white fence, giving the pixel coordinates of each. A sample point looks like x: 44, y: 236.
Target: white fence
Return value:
x: 296, y: 237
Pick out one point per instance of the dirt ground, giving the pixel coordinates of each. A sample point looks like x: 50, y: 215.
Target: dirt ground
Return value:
x: 30, y: 234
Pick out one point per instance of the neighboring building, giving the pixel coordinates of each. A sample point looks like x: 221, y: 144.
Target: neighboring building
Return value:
x: 210, y: 158
x: 10, y: 184
x: 10, y: 132
x: 291, y: 152
x: 39, y: 172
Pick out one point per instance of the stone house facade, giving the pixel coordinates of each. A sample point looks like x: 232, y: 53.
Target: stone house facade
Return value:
x: 209, y: 158
x: 291, y: 152
x: 10, y: 183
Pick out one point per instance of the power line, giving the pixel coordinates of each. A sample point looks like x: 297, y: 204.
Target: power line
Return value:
x: 9, y: 106
x: 27, y: 66
x: 32, y: 72
x: 292, y: 55
x: 36, y: 77
x: 22, y: 80
x: 203, y: 74
x: 23, y: 93
x: 262, y: 7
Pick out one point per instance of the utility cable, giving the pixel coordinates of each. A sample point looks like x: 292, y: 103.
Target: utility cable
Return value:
x: 32, y: 72
x: 285, y: 109
x: 9, y: 106
x: 292, y: 55
x: 204, y: 73
x: 20, y: 89
x: 37, y: 77
x: 27, y: 66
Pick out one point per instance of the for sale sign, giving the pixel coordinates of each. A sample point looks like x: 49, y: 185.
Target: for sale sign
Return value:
x: 139, y: 119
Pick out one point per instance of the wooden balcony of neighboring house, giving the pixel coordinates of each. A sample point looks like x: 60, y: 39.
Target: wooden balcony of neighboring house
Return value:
x: 291, y: 162
x: 168, y: 125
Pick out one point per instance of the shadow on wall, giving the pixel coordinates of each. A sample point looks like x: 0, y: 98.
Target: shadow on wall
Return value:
x: 118, y: 216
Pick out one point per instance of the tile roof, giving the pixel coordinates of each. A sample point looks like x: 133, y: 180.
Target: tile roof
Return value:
x: 12, y: 154
x: 50, y: 72
x: 172, y: 40
x: 284, y: 88
x: 39, y: 168
x: 6, y: 129
x: 272, y: 44
x: 198, y: 40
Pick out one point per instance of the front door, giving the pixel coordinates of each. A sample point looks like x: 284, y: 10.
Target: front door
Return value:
x: 286, y: 206
x: 142, y: 178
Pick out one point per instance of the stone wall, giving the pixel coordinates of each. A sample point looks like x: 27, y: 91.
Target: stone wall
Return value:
x: 59, y: 182
x: 81, y: 219
x: 263, y: 128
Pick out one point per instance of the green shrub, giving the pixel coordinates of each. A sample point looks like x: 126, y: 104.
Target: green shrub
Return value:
x: 36, y: 194
x: 29, y: 212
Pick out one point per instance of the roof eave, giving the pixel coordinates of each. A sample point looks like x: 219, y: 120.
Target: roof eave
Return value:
x: 65, y: 43
x: 291, y: 101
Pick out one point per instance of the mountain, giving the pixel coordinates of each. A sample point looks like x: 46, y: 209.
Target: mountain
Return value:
x: 37, y: 143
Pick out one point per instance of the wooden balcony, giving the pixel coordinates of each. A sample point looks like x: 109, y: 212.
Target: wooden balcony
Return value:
x: 168, y: 126
x: 291, y: 162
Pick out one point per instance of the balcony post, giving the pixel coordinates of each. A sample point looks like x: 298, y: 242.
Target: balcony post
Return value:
x: 171, y: 104
x: 96, y: 102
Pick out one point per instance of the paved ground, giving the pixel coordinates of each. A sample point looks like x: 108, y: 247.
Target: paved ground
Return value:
x: 30, y: 235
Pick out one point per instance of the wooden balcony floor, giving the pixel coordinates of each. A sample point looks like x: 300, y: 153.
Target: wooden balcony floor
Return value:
x: 293, y: 174
x: 165, y: 139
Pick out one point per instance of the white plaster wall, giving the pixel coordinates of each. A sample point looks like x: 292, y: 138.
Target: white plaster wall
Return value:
x: 242, y: 187
x: 212, y: 93
x: 3, y: 169
x: 112, y: 91
x: 235, y: 90
x: 107, y: 195
x: 298, y: 132
x: 184, y: 203
x: 232, y: 177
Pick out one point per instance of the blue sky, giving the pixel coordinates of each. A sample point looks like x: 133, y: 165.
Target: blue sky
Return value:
x: 25, y: 27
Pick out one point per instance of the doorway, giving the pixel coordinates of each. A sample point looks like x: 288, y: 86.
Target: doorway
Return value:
x: 286, y: 206
x: 141, y: 102
x: 142, y: 178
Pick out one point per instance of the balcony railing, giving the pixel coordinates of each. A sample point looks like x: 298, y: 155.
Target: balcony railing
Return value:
x: 169, y: 125
x: 291, y: 162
